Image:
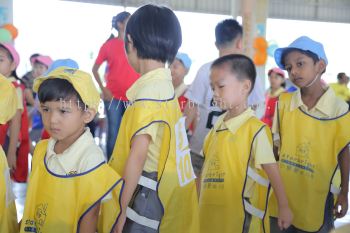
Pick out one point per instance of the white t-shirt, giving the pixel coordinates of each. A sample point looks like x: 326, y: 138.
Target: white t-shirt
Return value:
x: 201, y: 93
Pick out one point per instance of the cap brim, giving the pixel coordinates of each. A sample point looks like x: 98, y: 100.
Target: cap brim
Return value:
x: 278, y: 57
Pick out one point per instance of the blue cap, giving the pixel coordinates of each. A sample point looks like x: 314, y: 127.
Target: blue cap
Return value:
x: 185, y: 59
x: 62, y: 62
x: 303, y: 43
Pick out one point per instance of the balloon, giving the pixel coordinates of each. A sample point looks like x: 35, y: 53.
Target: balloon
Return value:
x: 260, y: 44
x: 12, y: 29
x: 271, y: 49
x: 5, y: 35
x: 260, y: 58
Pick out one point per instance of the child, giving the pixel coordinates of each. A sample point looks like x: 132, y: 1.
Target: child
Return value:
x: 151, y: 150
x: 179, y: 69
x: 28, y: 80
x: 69, y: 175
x: 238, y: 153
x: 276, y: 79
x: 311, y: 130
x: 14, y: 136
x: 8, y: 108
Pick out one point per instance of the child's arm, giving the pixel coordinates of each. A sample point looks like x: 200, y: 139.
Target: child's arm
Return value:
x: 285, y: 215
x: 14, y: 127
x: 132, y: 172
x: 89, y: 222
x: 191, y: 113
x: 342, y: 200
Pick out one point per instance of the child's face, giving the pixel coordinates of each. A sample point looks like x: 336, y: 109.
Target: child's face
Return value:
x: 178, y: 72
x: 302, y: 69
x: 39, y: 69
x: 6, y: 65
x: 229, y: 92
x: 64, y: 120
x: 276, y: 80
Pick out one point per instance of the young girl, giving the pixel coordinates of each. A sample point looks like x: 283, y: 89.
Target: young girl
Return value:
x: 8, y: 108
x: 276, y: 79
x: 14, y: 136
x: 151, y: 150
x: 312, y: 132
x: 238, y: 156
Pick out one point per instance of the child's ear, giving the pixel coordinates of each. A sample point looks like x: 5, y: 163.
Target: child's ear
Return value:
x: 322, y: 66
x: 89, y: 115
x: 247, y: 85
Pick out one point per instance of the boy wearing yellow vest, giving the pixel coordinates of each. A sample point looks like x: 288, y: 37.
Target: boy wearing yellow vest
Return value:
x: 8, y: 108
x: 239, y: 162
x: 312, y: 131
x: 70, y: 179
x: 151, y: 150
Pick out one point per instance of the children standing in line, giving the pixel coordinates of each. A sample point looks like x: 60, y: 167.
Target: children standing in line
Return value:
x: 238, y: 156
x: 152, y: 149
x: 8, y: 108
x: 276, y: 79
x: 312, y: 132
x: 69, y: 175
x: 14, y: 136
x: 179, y: 69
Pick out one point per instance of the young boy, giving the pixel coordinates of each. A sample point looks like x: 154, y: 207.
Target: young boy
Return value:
x: 8, y: 108
x: 238, y: 153
x: 69, y: 175
x: 311, y: 130
x: 151, y: 150
x: 179, y: 69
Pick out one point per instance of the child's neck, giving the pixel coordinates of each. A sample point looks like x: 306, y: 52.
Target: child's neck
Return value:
x: 235, y: 111
x: 147, y: 65
x: 274, y: 89
x: 311, y: 95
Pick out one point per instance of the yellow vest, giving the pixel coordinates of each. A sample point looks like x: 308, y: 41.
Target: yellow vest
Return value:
x: 8, y: 214
x: 308, y: 161
x: 227, y: 166
x: 176, y: 185
x: 57, y: 203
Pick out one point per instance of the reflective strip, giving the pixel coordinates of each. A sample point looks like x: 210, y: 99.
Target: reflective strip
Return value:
x: 258, y: 178
x: 334, y: 189
x: 132, y: 215
x: 148, y: 183
x: 253, y: 211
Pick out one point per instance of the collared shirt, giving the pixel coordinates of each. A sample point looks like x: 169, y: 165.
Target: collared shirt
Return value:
x: 180, y: 90
x: 19, y: 94
x: 80, y: 157
x: 328, y: 106
x: 156, y: 84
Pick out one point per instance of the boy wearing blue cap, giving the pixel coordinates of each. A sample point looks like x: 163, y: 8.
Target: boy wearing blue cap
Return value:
x: 179, y: 69
x: 311, y: 130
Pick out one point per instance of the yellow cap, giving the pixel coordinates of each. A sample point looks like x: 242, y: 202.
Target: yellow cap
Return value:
x: 81, y: 81
x: 8, y: 100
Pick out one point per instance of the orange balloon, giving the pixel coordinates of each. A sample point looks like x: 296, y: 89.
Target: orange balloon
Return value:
x: 12, y: 29
x: 260, y: 58
x: 260, y: 44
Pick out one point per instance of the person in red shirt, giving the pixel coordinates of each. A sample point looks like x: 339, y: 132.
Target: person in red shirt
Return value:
x: 277, y: 84
x: 179, y: 69
x: 119, y: 78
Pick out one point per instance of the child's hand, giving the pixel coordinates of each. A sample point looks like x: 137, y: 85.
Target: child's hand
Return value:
x: 342, y: 202
x: 285, y: 217
x: 11, y: 160
x: 120, y: 224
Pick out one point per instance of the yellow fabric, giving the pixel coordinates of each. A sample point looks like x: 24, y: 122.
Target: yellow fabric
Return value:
x: 8, y: 214
x: 341, y: 90
x: 180, y: 90
x: 308, y: 160
x: 57, y: 203
x: 81, y: 81
x: 80, y: 157
x: 19, y: 93
x: 276, y: 93
x: 223, y: 180
x: 180, y: 203
x: 8, y: 100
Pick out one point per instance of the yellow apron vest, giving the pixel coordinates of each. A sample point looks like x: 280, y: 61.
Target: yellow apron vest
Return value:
x: 8, y: 214
x: 308, y: 161
x: 225, y: 172
x: 57, y: 203
x: 176, y: 185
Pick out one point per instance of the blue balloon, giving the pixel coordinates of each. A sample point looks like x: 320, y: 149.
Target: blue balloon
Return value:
x: 271, y: 49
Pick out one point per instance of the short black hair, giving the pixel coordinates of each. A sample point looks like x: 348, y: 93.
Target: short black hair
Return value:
x: 307, y: 53
x: 34, y: 55
x: 155, y: 32
x: 57, y: 89
x: 240, y: 65
x: 227, y: 31
x: 340, y: 75
x: 119, y: 18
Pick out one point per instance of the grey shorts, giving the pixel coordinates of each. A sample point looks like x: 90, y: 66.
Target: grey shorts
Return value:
x: 197, y: 163
x: 328, y: 223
